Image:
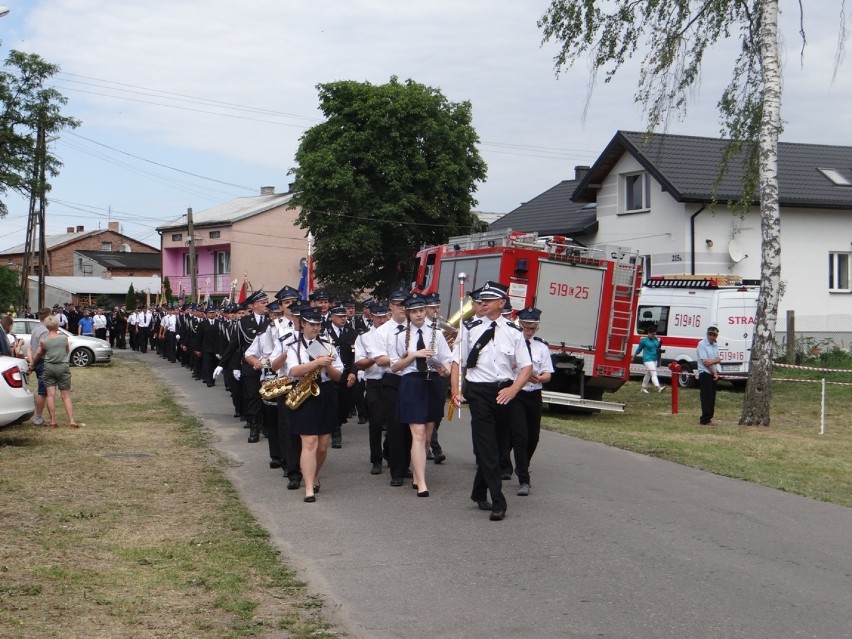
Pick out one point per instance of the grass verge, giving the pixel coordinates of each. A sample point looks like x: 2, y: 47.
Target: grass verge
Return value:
x: 127, y: 527
x: 791, y: 455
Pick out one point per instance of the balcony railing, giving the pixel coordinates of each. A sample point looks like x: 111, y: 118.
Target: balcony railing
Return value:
x: 207, y: 282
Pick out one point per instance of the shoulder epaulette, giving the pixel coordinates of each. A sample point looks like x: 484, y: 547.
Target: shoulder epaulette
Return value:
x: 515, y: 326
x: 471, y: 323
x: 538, y: 339
x: 283, y: 337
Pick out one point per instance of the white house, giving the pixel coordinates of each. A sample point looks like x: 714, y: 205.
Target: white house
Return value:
x: 658, y: 194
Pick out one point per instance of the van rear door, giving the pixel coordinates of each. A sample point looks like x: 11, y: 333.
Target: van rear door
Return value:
x: 735, y: 318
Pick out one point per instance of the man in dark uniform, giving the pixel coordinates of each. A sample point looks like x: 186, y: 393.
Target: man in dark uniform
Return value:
x: 248, y: 328
x: 343, y: 337
x: 209, y: 330
x: 497, y: 364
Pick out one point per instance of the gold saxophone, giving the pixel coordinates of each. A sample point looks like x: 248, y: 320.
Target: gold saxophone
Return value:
x: 274, y: 388
x: 307, y: 387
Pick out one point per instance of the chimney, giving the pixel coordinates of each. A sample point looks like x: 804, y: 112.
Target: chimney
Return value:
x: 580, y: 171
x: 115, y: 226
x: 69, y: 229
x: 290, y: 187
x: 267, y: 190
x: 80, y: 229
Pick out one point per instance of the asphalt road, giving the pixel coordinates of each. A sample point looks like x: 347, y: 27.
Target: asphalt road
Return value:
x: 609, y: 544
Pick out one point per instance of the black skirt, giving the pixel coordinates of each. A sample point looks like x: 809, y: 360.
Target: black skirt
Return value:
x: 420, y: 400
x: 317, y: 415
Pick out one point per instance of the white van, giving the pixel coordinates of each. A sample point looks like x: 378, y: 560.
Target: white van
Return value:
x: 683, y: 306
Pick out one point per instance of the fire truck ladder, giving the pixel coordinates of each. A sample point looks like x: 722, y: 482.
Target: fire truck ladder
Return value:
x: 624, y: 299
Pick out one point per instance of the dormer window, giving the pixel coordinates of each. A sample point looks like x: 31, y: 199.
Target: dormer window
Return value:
x: 836, y: 177
x: 635, y: 192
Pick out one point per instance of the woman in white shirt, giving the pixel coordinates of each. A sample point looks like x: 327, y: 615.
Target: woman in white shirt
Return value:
x: 418, y: 354
x: 314, y: 420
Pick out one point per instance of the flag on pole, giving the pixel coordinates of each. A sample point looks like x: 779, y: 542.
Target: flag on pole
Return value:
x: 148, y: 296
x: 206, y: 292
x: 243, y: 291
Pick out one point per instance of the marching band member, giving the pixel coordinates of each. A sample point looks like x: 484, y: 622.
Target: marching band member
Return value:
x: 526, y: 425
x: 398, y: 435
x: 316, y: 417
x: 367, y: 348
x: 434, y: 450
x: 418, y: 404
x: 497, y: 364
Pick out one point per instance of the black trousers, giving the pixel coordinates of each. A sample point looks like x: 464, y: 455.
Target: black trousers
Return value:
x: 270, y: 429
x: 252, y: 404
x: 399, y: 435
x: 142, y: 338
x: 208, y: 363
x: 488, y: 420
x: 289, y: 444
x: 526, y: 429
x: 235, y: 388
x: 376, y: 412
x: 359, y: 396
x: 707, y: 392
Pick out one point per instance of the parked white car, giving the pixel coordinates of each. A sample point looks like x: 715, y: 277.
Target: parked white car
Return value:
x: 17, y: 403
x: 84, y: 350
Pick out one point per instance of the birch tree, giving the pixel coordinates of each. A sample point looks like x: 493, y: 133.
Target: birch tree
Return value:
x: 676, y: 35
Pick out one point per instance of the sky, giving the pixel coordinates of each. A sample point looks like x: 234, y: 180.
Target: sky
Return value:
x: 191, y: 103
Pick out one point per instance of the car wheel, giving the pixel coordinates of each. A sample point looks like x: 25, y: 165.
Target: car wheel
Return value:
x: 82, y: 357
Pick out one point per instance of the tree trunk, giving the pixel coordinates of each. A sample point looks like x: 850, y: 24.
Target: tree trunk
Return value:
x: 759, y: 389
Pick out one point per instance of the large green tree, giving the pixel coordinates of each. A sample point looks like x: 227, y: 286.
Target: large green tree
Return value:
x: 675, y: 36
x: 393, y: 167
x: 27, y: 104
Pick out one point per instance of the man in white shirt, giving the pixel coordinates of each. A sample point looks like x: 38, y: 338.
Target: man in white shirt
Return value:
x: 367, y: 348
x: 100, y: 324
x: 497, y: 365
x: 143, y: 323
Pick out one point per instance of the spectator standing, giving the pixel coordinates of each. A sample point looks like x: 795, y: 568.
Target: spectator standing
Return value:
x: 100, y: 321
x: 650, y: 349
x: 54, y: 349
x: 36, y: 336
x: 86, y: 325
x: 708, y: 359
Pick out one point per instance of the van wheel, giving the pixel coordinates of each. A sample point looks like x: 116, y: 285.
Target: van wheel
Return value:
x: 686, y: 378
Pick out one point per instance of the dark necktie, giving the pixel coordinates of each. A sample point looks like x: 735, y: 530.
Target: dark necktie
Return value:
x: 529, y: 348
x: 486, y: 337
x: 421, y: 361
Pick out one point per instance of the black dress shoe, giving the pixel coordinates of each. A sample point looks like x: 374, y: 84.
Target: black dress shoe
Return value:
x: 310, y: 499
x: 422, y: 493
x: 429, y: 455
x: 440, y: 457
x: 497, y: 515
x: 396, y: 482
x: 483, y: 504
x: 275, y: 463
x: 316, y: 488
x: 376, y: 469
x: 293, y: 484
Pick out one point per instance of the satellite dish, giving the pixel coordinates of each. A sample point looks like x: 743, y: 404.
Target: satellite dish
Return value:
x: 735, y: 250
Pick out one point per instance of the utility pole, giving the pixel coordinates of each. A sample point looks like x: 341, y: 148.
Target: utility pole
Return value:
x: 35, y: 219
x: 42, y: 195
x: 193, y: 271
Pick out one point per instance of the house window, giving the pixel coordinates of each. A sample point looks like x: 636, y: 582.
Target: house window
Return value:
x: 635, y: 192
x: 836, y: 177
x: 177, y: 237
x: 215, y: 235
x: 186, y: 269
x: 838, y: 272
x: 106, y: 246
x: 223, y: 262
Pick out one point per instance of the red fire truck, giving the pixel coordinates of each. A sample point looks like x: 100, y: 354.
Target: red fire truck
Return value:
x: 588, y: 297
